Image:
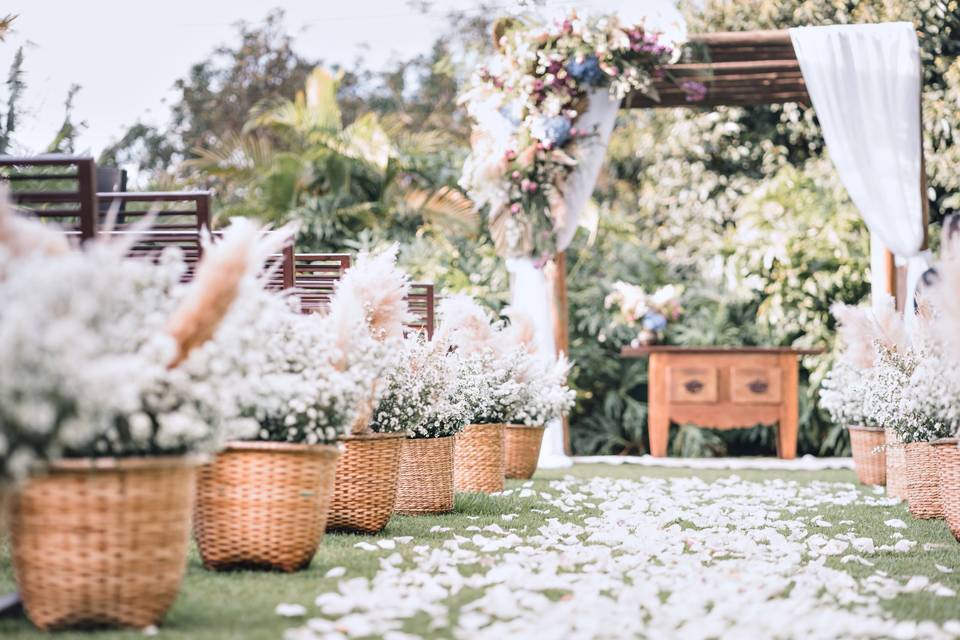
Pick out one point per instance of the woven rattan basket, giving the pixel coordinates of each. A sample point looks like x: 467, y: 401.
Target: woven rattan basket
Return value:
x: 426, y: 476
x: 521, y: 450
x: 102, y: 541
x: 923, y: 481
x: 948, y: 467
x: 896, y: 465
x: 869, y: 456
x: 366, y: 488
x: 264, y: 505
x: 478, y: 464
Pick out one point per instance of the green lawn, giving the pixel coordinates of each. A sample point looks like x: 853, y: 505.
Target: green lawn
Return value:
x: 242, y: 604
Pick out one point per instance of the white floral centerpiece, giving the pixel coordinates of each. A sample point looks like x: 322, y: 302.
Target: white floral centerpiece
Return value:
x: 502, y: 378
x: 90, y: 344
x: 424, y: 396
x: 526, y: 103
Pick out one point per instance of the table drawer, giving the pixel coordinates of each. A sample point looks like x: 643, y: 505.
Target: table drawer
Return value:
x: 692, y: 384
x: 755, y: 385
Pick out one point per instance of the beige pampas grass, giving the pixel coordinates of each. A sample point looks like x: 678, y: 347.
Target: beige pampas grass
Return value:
x: 521, y: 333
x: 21, y: 236
x: 890, y: 326
x: 465, y: 325
x: 857, y: 333
x: 217, y: 282
x: 377, y: 287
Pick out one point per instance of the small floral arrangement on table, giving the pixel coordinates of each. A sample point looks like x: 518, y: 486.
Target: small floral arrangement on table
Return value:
x: 651, y: 312
x: 93, y: 345
x: 540, y: 82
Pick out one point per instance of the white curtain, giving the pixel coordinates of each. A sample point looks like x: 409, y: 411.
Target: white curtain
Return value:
x: 864, y: 82
x: 531, y: 291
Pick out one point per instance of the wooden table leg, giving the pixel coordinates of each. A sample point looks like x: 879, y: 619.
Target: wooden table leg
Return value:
x: 658, y: 416
x: 789, y: 411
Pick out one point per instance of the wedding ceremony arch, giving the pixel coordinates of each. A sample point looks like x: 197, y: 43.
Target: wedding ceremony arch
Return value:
x: 863, y: 80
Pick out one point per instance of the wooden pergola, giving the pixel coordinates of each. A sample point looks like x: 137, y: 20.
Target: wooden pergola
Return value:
x: 739, y: 68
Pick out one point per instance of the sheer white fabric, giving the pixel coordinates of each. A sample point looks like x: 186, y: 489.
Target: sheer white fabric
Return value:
x: 864, y: 82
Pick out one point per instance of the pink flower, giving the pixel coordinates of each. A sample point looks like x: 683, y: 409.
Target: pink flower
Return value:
x: 510, y: 154
x: 515, y: 175
x: 515, y: 207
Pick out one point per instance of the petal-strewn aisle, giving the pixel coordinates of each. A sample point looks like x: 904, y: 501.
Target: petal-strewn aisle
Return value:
x: 653, y: 557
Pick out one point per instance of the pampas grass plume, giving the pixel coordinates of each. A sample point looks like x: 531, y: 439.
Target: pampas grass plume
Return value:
x: 464, y: 324
x: 22, y: 236
x: 857, y: 333
x: 216, y: 284
x: 378, y: 288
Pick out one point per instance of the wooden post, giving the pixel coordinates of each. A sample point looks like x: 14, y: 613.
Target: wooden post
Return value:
x: 561, y: 323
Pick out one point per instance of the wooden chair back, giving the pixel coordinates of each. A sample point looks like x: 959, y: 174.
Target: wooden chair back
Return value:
x: 315, y: 276
x: 421, y: 303
x: 55, y: 188
x: 181, y: 219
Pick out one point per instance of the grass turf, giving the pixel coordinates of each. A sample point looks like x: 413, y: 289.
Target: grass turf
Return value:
x: 241, y: 604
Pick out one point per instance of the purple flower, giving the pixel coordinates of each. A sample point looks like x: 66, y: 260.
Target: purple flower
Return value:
x: 696, y: 91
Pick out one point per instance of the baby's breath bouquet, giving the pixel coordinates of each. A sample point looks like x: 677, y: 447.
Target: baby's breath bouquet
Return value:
x: 91, y: 343
x: 423, y: 393
x: 501, y: 376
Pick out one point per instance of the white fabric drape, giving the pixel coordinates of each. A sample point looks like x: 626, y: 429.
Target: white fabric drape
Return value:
x: 530, y: 290
x: 864, y: 82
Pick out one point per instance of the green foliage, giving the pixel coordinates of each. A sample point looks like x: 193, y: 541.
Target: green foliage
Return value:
x: 15, y: 87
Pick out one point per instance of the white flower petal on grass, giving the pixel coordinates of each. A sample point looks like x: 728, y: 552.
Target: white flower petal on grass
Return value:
x: 288, y: 610
x: 386, y: 544
x: 335, y: 572
x: 863, y: 545
x: 943, y: 569
x: 687, y: 558
x: 895, y: 523
x: 944, y: 591
x: 852, y: 558
x: 903, y: 546
x: 366, y: 546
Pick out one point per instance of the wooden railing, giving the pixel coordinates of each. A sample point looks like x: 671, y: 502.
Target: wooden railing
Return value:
x: 55, y: 188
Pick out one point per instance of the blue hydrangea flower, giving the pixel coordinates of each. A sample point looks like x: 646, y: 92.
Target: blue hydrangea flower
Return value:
x: 555, y: 130
x: 586, y: 71
x: 654, y: 321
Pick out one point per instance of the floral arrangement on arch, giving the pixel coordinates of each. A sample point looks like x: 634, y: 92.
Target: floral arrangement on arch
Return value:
x: 651, y: 311
x: 540, y: 83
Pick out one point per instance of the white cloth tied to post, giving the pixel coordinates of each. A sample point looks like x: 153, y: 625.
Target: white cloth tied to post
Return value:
x: 864, y: 81
x: 531, y: 291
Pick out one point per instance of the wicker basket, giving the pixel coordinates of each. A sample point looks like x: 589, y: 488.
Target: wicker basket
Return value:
x: 923, y: 481
x: 264, y: 505
x: 869, y: 456
x: 426, y: 476
x: 948, y: 466
x: 478, y: 464
x: 521, y: 450
x: 896, y: 465
x: 102, y: 541
x: 366, y: 487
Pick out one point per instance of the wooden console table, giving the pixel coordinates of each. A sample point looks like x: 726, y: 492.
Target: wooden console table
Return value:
x: 722, y: 388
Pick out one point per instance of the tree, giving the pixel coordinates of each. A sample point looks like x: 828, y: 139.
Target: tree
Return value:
x: 215, y: 98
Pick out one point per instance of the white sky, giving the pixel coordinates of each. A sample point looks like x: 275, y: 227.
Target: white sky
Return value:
x: 126, y: 54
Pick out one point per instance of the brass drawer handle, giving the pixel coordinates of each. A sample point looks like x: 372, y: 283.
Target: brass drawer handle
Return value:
x: 693, y: 386
x: 758, y: 386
